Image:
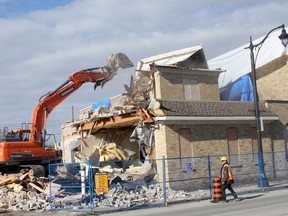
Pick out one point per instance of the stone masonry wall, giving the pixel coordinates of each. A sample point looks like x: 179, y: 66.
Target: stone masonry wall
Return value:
x: 209, y: 140
x: 272, y: 80
x: 160, y: 149
x: 170, y: 86
x: 280, y: 109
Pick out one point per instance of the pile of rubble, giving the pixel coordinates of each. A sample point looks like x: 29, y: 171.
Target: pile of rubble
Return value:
x: 23, y: 192
x: 133, y: 187
x: 125, y: 197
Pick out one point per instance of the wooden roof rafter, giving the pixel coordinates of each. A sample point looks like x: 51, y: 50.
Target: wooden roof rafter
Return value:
x: 117, y: 121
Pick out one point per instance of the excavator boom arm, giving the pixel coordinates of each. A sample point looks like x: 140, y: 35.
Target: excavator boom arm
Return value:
x: 54, y: 98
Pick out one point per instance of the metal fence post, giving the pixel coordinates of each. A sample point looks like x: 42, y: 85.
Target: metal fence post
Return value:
x: 50, y: 185
x: 210, y: 178
x: 164, y: 181
x: 91, y: 186
x: 273, y: 163
x: 83, y: 179
x: 260, y: 172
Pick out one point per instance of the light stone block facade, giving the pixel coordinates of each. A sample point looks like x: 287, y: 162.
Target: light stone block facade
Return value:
x: 211, y: 139
x: 169, y: 85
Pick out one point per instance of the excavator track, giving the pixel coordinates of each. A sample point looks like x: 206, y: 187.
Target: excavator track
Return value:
x: 37, y: 170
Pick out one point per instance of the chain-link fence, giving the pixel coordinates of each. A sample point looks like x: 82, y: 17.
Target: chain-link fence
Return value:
x: 122, y: 185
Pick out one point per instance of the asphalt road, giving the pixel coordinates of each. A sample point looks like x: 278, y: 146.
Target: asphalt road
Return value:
x: 273, y: 203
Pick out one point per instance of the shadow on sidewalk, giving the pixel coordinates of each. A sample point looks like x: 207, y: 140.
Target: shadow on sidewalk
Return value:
x: 250, y: 197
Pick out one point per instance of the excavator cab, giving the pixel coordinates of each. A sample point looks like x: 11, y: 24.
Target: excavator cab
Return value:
x: 49, y: 141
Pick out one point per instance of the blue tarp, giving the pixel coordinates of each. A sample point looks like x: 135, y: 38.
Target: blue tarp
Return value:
x: 105, y: 103
x: 240, y: 90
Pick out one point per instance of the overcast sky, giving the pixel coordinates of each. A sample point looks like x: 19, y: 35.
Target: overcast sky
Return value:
x: 42, y: 42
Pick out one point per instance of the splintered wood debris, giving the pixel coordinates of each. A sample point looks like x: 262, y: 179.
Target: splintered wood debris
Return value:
x: 115, y: 117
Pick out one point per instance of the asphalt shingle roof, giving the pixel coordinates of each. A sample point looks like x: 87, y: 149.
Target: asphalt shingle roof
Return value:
x: 211, y: 108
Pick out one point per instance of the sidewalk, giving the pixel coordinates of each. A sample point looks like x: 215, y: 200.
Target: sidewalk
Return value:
x: 260, y: 204
x: 273, y: 185
x: 203, y: 195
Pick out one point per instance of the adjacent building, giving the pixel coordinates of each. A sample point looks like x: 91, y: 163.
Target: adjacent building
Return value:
x: 172, y: 109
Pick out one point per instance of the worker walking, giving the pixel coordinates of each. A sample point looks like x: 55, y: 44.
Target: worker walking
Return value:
x: 227, y: 179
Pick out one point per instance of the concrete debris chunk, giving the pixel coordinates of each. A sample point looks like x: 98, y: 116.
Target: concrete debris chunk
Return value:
x: 23, y: 192
x: 121, y: 197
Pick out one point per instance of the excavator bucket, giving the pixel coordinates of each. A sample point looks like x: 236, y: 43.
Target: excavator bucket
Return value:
x: 118, y: 60
x: 115, y: 61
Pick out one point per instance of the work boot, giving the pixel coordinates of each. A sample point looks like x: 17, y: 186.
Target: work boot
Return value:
x: 236, y: 198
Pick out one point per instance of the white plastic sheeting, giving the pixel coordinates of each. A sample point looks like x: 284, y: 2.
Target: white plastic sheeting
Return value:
x: 237, y: 62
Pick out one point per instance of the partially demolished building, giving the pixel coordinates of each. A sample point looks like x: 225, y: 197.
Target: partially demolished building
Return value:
x: 170, y: 109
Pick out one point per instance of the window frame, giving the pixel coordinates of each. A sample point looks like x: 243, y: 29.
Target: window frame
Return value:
x: 184, y: 137
x: 191, y: 89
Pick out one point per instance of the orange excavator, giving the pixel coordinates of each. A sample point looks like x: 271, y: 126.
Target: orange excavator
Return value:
x: 27, y: 148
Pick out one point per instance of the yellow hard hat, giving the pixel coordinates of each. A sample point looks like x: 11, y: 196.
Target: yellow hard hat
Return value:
x: 223, y: 159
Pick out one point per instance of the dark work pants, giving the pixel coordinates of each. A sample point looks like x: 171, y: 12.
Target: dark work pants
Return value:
x: 228, y: 185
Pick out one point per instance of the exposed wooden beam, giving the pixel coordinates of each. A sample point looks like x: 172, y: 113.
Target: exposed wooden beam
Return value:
x: 123, y: 120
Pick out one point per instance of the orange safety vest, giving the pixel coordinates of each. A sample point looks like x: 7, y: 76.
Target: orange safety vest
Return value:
x: 229, y: 172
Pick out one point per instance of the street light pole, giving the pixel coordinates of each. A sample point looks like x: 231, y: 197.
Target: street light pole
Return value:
x: 263, y: 181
